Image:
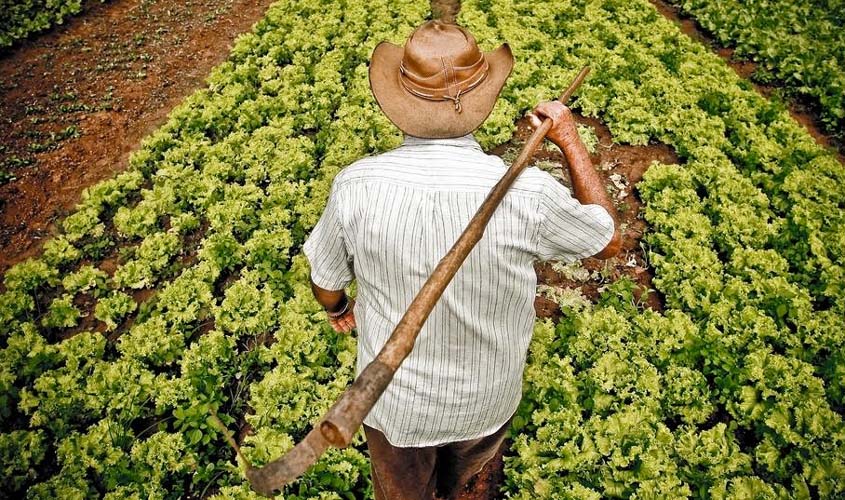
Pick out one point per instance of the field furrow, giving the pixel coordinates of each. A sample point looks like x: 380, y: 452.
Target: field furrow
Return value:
x: 177, y: 289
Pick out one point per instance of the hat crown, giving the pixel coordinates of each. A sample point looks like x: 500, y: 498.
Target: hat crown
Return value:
x: 441, y: 61
x: 434, y: 40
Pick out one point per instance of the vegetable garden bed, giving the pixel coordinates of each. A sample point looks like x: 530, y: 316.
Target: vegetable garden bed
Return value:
x: 21, y: 19
x: 798, y: 44
x: 735, y: 389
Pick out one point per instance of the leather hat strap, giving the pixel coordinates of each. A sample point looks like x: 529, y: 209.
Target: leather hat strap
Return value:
x: 444, y: 85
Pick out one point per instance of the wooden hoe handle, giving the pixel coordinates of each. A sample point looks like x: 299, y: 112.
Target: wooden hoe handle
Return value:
x: 343, y: 419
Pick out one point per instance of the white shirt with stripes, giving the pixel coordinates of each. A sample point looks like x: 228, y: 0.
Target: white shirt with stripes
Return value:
x: 389, y: 220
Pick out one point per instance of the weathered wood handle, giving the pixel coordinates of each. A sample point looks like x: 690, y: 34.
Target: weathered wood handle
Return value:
x: 345, y: 417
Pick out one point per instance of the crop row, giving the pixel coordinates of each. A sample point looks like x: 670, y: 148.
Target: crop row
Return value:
x: 215, y: 204
x: 22, y: 18
x: 737, y: 391
x: 800, y: 44
x: 190, y: 264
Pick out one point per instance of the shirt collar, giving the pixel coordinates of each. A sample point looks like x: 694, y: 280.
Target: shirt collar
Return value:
x: 466, y: 141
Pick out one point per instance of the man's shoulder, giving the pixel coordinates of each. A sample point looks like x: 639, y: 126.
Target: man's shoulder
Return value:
x: 535, y: 181
x: 397, y: 162
x: 538, y: 177
x: 420, y: 167
x: 359, y: 170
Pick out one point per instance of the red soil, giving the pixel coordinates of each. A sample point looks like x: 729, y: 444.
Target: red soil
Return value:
x: 627, y: 164
x: 113, y: 72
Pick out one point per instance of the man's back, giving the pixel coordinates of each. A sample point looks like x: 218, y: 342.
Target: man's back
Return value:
x: 395, y: 216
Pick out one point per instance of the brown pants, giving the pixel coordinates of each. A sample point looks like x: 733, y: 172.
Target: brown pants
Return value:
x: 416, y: 473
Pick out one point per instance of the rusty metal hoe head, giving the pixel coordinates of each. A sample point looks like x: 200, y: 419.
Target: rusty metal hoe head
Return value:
x: 269, y: 480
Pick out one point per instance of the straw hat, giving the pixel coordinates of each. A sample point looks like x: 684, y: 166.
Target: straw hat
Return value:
x: 440, y: 84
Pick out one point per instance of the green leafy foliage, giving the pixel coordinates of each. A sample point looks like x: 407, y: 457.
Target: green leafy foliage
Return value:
x: 86, y: 278
x: 28, y: 276
x: 248, y: 308
x: 62, y: 313
x: 20, y: 453
x: 800, y: 44
x: 15, y: 307
x: 153, y: 341
x: 153, y: 255
x: 734, y: 391
x: 112, y: 309
x: 54, y: 400
x: 59, y: 252
x: 20, y: 19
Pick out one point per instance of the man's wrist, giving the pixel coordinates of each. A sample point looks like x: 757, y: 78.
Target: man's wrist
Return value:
x: 340, y: 308
x: 566, y: 136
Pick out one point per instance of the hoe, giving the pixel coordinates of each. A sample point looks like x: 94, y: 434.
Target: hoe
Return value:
x: 347, y: 414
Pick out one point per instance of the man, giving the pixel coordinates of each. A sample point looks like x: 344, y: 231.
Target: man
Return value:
x: 391, y: 217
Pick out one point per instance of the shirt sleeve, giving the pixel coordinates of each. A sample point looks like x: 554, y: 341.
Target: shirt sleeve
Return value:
x: 570, y: 230
x: 326, y: 249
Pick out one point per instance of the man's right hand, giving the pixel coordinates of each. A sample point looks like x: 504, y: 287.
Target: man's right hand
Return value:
x: 336, y: 300
x: 563, y: 131
x: 346, y: 322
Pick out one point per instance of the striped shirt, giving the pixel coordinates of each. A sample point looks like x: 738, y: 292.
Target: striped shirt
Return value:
x: 389, y: 220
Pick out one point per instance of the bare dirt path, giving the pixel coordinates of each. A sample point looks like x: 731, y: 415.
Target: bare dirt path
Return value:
x: 75, y: 101
x: 621, y: 167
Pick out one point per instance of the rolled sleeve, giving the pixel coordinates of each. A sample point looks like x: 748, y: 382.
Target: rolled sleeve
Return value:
x: 570, y: 230
x: 326, y: 248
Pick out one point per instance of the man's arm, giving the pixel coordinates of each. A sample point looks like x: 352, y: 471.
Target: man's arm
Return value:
x: 338, y: 306
x: 331, y: 265
x: 586, y: 184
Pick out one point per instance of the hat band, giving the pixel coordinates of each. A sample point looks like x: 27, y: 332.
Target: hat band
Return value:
x: 453, y: 89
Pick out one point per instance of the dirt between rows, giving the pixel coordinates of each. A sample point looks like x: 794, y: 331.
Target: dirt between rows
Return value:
x: 75, y: 101
x: 621, y: 168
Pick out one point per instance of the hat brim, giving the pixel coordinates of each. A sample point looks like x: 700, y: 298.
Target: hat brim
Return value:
x: 422, y: 117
